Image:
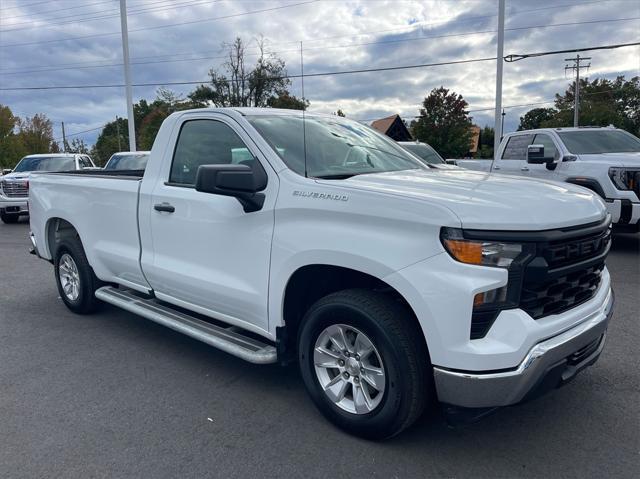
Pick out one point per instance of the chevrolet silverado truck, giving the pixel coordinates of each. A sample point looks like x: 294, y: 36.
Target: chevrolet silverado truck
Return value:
x: 604, y: 160
x: 282, y: 236
x: 14, y: 185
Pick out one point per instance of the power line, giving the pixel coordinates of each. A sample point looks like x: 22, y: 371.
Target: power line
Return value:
x: 508, y: 58
x: 158, y: 27
x: 76, y: 21
x: 515, y: 58
x: 23, y: 6
x: 282, y: 77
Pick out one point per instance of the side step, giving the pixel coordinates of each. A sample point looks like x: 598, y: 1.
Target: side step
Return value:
x: 228, y: 340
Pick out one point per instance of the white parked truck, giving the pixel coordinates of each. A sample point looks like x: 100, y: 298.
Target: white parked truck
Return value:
x: 604, y: 160
x: 14, y: 185
x: 279, y: 237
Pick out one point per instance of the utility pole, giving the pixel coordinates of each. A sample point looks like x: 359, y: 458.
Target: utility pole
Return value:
x: 64, y: 140
x: 502, y: 124
x: 118, y: 133
x: 127, y: 74
x: 499, y: 62
x: 576, y: 91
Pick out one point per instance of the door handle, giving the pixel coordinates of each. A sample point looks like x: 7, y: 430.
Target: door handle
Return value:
x: 164, y: 207
x: 496, y: 167
x: 524, y: 168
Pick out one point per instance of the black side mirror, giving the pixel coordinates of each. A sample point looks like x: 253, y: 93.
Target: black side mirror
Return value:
x: 535, y: 156
x: 6, y: 171
x: 239, y: 181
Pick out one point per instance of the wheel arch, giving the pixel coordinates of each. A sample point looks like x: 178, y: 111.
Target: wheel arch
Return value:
x: 56, y: 230
x: 311, y: 282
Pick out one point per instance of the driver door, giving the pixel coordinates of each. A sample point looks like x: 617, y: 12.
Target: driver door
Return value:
x: 206, y: 254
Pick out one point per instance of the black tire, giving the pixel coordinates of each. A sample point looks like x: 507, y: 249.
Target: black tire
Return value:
x: 393, y: 331
x: 9, y: 218
x: 86, y: 301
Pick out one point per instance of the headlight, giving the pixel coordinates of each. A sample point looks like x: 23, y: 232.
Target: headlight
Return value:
x: 482, y: 253
x: 620, y: 178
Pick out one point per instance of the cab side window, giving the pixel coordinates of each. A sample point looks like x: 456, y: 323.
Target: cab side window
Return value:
x: 205, y: 142
x: 516, y: 148
x: 84, y: 162
x: 550, y: 150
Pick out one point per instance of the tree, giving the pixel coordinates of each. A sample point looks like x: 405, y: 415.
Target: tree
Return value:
x: 340, y: 113
x: 113, y: 137
x: 11, y: 149
x: 536, y: 117
x: 36, y: 134
x: 238, y: 84
x: 77, y: 145
x: 287, y: 101
x: 602, y: 102
x: 485, y: 143
x: 444, y: 123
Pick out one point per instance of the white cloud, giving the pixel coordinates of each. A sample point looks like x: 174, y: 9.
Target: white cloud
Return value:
x: 325, y: 27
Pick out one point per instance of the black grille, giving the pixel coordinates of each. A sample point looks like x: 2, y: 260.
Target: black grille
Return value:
x: 554, y: 296
x: 560, y: 253
x: 634, y: 182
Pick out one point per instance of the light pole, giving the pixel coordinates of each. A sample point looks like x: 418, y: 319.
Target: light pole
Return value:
x: 127, y: 74
x: 499, y: 61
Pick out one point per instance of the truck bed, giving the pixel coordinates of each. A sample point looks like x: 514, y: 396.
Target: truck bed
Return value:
x: 102, y: 207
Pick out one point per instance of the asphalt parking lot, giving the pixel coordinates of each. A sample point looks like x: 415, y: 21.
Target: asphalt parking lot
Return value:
x: 114, y: 395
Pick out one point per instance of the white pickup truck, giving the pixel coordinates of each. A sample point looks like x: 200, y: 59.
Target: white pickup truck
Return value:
x: 604, y: 160
x: 14, y: 185
x: 278, y: 237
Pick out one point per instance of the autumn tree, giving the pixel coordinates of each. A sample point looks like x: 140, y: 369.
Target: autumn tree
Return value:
x: 444, y: 123
x: 36, y: 134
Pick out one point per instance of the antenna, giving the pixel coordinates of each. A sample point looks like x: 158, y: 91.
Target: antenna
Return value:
x: 304, y: 129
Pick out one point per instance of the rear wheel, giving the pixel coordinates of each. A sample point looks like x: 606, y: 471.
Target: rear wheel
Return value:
x: 9, y: 218
x: 75, y: 278
x: 364, y: 363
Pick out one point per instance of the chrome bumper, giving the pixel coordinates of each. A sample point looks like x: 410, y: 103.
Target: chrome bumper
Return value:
x: 21, y: 203
x: 548, y: 364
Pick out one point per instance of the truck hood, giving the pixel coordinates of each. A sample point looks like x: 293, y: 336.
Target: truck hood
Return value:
x: 15, y: 176
x: 491, y: 201
x: 614, y: 159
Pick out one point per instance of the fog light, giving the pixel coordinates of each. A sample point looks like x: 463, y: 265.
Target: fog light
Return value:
x: 490, y: 297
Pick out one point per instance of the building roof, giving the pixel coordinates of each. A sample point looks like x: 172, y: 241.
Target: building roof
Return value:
x: 383, y: 124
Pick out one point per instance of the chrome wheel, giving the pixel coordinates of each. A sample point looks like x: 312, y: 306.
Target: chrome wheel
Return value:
x: 69, y: 277
x: 349, y: 369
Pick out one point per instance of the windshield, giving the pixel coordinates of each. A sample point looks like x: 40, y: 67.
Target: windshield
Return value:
x: 593, y: 142
x: 128, y: 162
x: 335, y: 148
x: 46, y: 163
x: 425, y: 152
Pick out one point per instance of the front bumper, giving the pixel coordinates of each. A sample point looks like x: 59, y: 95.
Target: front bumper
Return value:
x: 548, y: 364
x: 623, y: 212
x: 15, y: 205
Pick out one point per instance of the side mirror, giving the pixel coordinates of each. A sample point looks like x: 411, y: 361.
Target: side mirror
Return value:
x: 535, y: 156
x: 6, y: 171
x: 239, y: 181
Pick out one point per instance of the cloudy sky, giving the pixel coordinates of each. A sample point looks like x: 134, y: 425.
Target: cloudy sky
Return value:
x: 74, y: 42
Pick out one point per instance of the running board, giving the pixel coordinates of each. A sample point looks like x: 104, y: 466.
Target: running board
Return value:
x: 228, y: 340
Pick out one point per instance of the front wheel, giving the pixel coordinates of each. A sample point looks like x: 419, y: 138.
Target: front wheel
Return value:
x: 364, y: 363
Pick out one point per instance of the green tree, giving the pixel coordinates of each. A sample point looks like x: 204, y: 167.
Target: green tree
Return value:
x: 11, y: 149
x: 77, y: 145
x: 602, y: 102
x: 536, y: 117
x: 113, y: 137
x: 485, y: 143
x: 240, y: 84
x: 444, y: 123
x: 287, y: 101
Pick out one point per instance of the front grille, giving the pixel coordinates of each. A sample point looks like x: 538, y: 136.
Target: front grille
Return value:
x: 634, y: 182
x: 542, y: 298
x: 565, y: 272
x: 14, y: 189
